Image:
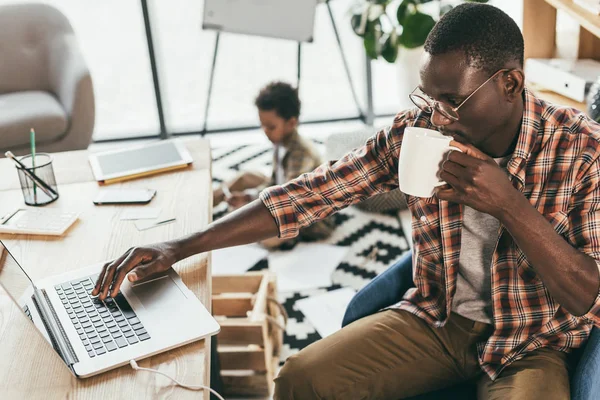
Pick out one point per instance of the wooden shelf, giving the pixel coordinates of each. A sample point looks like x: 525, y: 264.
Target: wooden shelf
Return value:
x: 558, y: 99
x: 583, y: 17
x: 539, y: 33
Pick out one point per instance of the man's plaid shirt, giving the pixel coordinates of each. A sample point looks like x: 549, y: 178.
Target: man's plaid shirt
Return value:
x: 555, y: 165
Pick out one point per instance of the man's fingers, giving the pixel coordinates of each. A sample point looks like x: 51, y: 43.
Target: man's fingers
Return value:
x: 464, y: 159
x: 111, y: 272
x: 470, y: 150
x: 101, y: 278
x: 138, y: 271
x: 118, y: 273
x: 455, y: 169
x: 108, y: 275
x: 451, y: 179
x: 447, y: 194
x: 144, y: 271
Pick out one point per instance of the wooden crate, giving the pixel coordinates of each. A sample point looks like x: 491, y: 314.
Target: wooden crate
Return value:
x: 251, y: 331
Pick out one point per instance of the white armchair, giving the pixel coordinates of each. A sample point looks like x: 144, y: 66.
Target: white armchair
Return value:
x: 44, y: 81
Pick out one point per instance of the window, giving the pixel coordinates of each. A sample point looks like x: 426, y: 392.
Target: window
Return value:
x: 112, y: 39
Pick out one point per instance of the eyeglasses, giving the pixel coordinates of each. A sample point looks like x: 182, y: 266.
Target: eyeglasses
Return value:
x: 426, y: 104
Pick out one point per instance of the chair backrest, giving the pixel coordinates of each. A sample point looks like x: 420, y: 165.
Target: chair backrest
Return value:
x: 26, y: 34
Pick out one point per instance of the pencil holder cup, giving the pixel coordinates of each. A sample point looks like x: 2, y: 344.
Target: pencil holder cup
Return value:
x: 33, y: 193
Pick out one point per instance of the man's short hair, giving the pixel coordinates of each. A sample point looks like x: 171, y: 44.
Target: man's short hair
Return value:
x: 281, y: 97
x: 487, y: 35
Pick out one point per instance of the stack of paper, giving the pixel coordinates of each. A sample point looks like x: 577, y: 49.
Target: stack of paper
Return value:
x: 236, y: 260
x: 326, y: 311
x: 306, y: 266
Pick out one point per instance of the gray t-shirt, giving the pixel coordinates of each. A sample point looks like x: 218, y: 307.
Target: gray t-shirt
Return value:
x: 473, y: 297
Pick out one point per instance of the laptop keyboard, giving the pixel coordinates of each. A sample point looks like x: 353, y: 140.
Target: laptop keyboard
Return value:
x: 102, y: 326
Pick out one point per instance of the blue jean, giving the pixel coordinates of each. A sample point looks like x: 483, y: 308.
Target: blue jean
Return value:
x: 384, y: 290
x: 388, y: 288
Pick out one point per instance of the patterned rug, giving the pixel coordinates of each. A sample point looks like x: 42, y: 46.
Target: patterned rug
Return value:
x: 358, y: 230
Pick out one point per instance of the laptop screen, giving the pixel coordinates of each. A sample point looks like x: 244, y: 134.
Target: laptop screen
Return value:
x: 12, y: 277
x: 15, y: 282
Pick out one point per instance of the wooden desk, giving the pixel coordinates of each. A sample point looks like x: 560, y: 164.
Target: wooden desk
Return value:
x: 29, y: 368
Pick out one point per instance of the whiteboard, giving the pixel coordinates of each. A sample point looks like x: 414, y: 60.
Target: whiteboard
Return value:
x: 284, y: 19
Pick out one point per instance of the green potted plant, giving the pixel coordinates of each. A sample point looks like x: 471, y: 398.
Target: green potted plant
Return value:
x: 387, y: 25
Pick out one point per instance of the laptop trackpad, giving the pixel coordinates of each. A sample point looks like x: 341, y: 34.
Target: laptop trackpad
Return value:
x: 159, y: 294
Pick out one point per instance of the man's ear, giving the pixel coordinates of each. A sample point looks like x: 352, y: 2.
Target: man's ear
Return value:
x: 514, y: 84
x: 292, y: 123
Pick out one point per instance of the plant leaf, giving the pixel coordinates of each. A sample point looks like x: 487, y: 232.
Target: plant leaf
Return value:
x: 371, y: 39
x: 370, y: 46
x: 402, y: 11
x: 389, y: 51
x: 416, y: 28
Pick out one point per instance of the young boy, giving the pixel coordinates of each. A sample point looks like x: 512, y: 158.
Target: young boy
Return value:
x: 278, y: 110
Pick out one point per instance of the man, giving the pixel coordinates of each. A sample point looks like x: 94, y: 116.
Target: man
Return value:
x: 525, y: 186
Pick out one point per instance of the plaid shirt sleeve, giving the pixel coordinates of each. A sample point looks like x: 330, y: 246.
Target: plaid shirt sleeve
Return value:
x: 584, y: 216
x: 365, y: 171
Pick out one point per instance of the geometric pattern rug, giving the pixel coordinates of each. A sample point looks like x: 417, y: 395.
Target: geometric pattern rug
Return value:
x: 358, y: 230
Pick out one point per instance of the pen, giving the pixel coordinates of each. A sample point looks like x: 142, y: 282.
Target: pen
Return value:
x: 32, y: 142
x: 43, y: 185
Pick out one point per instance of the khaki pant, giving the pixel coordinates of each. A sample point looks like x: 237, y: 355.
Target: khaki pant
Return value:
x: 394, y: 354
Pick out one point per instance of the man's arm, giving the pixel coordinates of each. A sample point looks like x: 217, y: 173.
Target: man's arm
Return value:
x: 334, y: 185
x: 570, y: 275
x: 281, y: 210
x: 566, y: 265
x: 249, y: 224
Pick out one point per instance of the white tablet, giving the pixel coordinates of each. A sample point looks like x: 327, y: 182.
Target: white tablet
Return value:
x: 132, y: 162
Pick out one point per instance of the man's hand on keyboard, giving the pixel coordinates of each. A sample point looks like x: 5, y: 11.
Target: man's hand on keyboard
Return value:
x: 138, y: 262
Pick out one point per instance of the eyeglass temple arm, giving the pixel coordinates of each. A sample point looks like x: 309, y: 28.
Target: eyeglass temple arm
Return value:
x: 480, y: 86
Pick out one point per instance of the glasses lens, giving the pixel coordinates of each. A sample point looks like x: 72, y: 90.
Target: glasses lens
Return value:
x: 420, y: 102
x: 446, y: 111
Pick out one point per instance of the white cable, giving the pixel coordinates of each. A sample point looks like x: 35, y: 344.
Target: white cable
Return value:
x: 136, y: 367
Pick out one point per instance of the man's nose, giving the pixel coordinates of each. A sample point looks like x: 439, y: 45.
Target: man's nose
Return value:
x: 437, y: 119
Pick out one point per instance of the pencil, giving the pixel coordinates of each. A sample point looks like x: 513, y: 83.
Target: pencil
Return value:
x: 43, y: 185
x: 32, y: 140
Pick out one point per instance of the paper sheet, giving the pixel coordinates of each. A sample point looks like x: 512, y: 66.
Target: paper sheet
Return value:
x: 236, y: 260
x: 140, y: 213
x: 326, y: 311
x: 144, y: 224
x: 306, y: 266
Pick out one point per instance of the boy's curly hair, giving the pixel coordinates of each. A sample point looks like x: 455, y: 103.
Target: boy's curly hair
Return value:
x: 281, y: 97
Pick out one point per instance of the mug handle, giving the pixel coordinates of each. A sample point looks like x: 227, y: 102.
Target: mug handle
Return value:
x: 452, y: 148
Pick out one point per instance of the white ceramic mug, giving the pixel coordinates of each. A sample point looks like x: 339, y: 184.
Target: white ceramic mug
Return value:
x: 421, y: 156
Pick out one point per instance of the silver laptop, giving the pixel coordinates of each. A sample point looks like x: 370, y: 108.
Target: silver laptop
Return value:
x: 93, y: 336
